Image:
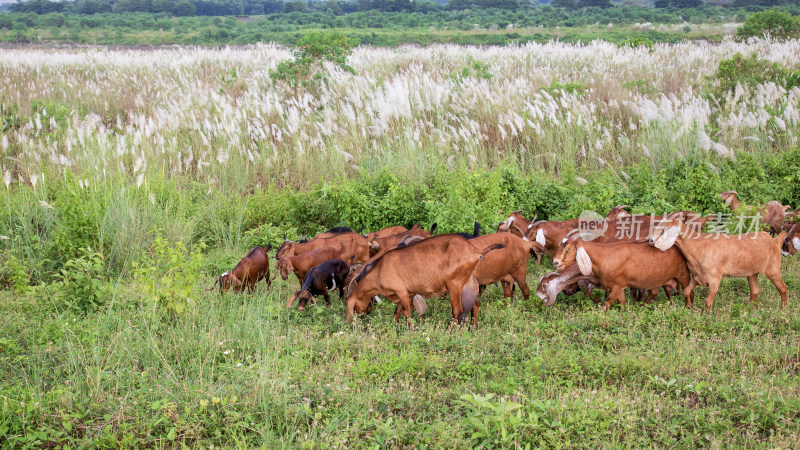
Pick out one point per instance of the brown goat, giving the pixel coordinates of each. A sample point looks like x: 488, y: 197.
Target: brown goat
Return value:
x: 710, y: 257
x: 508, y: 265
x: 569, y: 280
x: 333, y: 232
x: 389, y: 242
x: 623, y: 264
x: 355, y: 244
x: 431, y: 267
x: 515, y: 224
x: 773, y: 212
x: 625, y: 227
x: 791, y: 243
x: 549, y: 234
x: 301, y: 264
x: 250, y: 270
x: 638, y: 227
x: 388, y: 231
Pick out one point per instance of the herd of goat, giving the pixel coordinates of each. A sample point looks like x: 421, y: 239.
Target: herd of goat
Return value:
x: 669, y: 252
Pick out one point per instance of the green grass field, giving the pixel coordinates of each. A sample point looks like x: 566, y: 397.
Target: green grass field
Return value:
x: 242, y: 371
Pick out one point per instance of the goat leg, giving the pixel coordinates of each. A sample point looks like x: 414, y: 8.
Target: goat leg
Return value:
x: 327, y: 298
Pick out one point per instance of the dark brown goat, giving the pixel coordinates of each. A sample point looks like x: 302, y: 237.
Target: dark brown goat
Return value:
x: 431, y: 267
x: 319, y: 280
x: 250, y: 270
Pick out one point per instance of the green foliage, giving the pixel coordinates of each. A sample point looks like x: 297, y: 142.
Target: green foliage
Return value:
x: 268, y: 233
x: 555, y: 88
x: 306, y: 69
x: 170, y: 274
x: 473, y: 68
x: 752, y: 70
x: 14, y: 274
x: 776, y: 23
x: 81, y: 285
x: 501, y: 423
x: 637, y: 42
x: 80, y: 217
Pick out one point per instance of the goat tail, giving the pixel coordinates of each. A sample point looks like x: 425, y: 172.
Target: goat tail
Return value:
x: 490, y: 248
x: 433, y: 228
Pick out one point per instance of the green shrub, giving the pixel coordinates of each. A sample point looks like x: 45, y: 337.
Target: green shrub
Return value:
x: 13, y: 273
x: 81, y: 285
x: 773, y: 22
x: 80, y: 216
x: 555, y: 88
x: 170, y: 274
x: 636, y: 42
x: 306, y: 69
x: 268, y: 234
x: 748, y: 70
x: 473, y: 68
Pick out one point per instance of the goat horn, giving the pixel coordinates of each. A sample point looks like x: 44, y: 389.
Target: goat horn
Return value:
x: 572, y: 232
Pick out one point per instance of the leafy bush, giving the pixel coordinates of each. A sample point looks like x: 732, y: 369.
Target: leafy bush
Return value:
x: 268, y: 234
x: 473, y: 68
x: 637, y: 42
x: 80, y: 218
x: 555, y: 88
x: 752, y: 70
x: 170, y: 274
x: 13, y: 272
x: 81, y: 283
x: 315, y: 48
x: 773, y: 22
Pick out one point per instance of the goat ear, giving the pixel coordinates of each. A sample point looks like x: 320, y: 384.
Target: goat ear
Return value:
x: 540, y: 238
x: 584, y: 261
x: 291, y: 300
x: 536, y: 248
x: 668, y: 238
x: 728, y: 200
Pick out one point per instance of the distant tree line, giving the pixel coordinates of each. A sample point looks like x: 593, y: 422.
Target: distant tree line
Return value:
x: 260, y: 7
